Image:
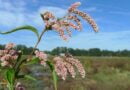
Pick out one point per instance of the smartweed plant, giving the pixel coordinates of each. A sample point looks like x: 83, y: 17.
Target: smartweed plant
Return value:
x: 11, y: 61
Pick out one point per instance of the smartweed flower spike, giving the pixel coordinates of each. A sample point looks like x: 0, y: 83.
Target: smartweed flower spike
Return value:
x: 10, y: 46
x: 42, y: 56
x: 60, y: 67
x: 64, y: 25
x: 77, y: 64
x: 85, y: 16
x: 66, y: 65
x: 75, y: 5
x: 8, y: 55
x: 19, y: 86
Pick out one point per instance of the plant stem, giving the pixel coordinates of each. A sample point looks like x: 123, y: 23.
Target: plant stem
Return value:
x: 54, y: 76
x: 39, y: 39
x: 54, y: 79
x: 11, y: 87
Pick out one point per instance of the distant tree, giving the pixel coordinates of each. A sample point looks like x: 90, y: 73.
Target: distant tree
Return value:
x: 94, y: 52
x: 90, y: 52
x: 125, y: 53
x: 2, y: 46
x: 75, y: 52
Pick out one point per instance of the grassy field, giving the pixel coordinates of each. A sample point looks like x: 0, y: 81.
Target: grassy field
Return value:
x: 103, y: 73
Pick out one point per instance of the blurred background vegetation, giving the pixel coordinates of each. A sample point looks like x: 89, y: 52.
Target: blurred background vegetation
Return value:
x: 76, y: 52
x: 105, y: 70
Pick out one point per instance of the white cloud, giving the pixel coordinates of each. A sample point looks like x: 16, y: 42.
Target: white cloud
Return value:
x: 15, y: 13
x: 12, y: 14
x: 15, y: 6
x: 92, y: 9
x: 105, y: 40
x: 120, y: 12
x: 56, y: 10
x: 11, y: 19
x: 85, y: 40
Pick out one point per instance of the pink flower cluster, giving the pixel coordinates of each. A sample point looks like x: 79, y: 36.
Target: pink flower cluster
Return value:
x: 75, y: 5
x: 77, y: 64
x: 60, y: 67
x: 66, y: 65
x: 73, y: 10
x: 8, y: 55
x: 65, y: 24
x: 10, y: 46
x: 19, y: 86
x: 42, y: 56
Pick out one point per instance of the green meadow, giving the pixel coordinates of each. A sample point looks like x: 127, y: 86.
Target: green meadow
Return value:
x: 102, y: 73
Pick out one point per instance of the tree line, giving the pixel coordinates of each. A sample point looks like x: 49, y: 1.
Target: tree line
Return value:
x: 89, y: 52
x: 76, y: 52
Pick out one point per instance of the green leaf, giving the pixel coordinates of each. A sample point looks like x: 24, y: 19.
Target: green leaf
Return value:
x: 54, y: 79
x: 50, y: 64
x: 54, y: 75
x: 30, y: 77
x: 33, y: 61
x: 10, y: 75
x: 18, y: 59
x: 0, y: 69
x: 19, y: 56
x: 27, y: 27
x: 0, y: 66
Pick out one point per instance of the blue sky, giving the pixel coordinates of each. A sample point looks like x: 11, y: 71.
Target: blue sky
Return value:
x: 112, y: 17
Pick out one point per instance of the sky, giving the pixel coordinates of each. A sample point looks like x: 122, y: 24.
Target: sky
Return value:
x: 112, y: 17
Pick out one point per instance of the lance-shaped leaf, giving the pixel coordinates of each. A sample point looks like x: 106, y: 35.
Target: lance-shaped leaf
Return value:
x: 30, y: 77
x: 34, y: 60
x: 27, y: 27
x: 54, y: 75
x: 9, y: 75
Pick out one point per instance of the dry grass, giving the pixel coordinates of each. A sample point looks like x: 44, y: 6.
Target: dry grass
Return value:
x: 103, y: 73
